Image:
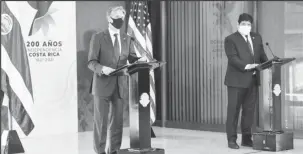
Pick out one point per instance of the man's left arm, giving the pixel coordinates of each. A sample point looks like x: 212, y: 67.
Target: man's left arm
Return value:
x: 263, y: 57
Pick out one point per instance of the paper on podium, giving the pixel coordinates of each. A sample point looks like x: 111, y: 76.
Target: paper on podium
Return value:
x: 126, y: 69
x: 272, y: 61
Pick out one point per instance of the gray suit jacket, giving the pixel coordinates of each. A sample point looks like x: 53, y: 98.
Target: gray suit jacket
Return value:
x: 101, y: 53
x: 239, y: 56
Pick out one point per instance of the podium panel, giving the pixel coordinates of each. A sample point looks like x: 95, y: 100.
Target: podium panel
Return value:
x: 139, y: 110
x: 272, y: 137
x: 139, y: 107
x: 271, y: 111
x: 266, y: 103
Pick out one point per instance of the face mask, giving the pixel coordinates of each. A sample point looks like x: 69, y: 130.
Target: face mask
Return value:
x: 244, y: 29
x: 117, y: 23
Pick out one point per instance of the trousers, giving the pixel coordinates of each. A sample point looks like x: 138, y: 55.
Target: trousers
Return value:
x: 108, y: 123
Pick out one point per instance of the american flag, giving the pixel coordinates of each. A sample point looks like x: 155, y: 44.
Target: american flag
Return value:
x: 139, y: 27
x: 15, y: 72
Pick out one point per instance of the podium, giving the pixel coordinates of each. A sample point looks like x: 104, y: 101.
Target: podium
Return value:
x: 273, y: 137
x: 139, y: 106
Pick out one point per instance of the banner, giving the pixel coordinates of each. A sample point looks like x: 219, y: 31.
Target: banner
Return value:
x: 49, y: 33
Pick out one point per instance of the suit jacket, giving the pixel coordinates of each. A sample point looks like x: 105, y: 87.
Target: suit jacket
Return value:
x: 101, y: 53
x: 239, y: 55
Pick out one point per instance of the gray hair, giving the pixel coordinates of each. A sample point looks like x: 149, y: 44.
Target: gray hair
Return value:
x: 114, y: 9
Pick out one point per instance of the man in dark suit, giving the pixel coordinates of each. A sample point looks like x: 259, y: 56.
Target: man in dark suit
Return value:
x: 109, y: 50
x: 244, y: 50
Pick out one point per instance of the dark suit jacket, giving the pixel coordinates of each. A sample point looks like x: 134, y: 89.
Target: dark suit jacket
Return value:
x: 101, y: 53
x: 239, y: 56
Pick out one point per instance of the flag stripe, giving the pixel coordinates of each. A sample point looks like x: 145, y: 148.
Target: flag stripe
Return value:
x: 15, y: 80
x: 148, y: 32
x: 16, y: 91
x: 136, y: 32
x: 137, y: 51
x: 139, y: 27
x: 20, y: 115
x: 152, y: 93
x: 152, y: 84
x: 14, y: 44
x: 152, y: 113
x: 152, y: 116
x: 140, y: 47
x: 131, y: 32
x: 152, y: 87
x: 5, y: 99
x: 153, y: 104
x: 142, y: 51
x: 4, y: 136
x: 149, y: 47
x: 151, y: 73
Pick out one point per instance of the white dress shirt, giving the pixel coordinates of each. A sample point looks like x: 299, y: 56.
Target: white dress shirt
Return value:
x: 112, y: 35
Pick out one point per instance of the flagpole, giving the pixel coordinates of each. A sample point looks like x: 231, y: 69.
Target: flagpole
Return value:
x: 10, y: 123
x: 5, y: 133
x: 5, y: 102
x: 163, y: 18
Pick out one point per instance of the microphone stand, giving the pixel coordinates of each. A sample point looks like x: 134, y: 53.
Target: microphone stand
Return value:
x: 149, y: 56
x: 275, y: 57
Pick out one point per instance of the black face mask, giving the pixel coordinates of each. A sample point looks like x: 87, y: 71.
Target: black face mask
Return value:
x: 117, y: 23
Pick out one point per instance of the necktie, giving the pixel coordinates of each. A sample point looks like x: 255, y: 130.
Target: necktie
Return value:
x: 249, y: 45
x: 116, y: 46
x: 250, y: 49
x: 117, y: 54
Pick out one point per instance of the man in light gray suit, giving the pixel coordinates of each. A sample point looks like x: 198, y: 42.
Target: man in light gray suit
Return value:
x: 109, y: 50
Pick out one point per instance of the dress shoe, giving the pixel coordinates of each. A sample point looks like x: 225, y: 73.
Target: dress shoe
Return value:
x: 247, y: 143
x: 233, y: 145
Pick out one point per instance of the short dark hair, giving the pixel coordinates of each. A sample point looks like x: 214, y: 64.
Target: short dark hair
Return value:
x: 245, y: 17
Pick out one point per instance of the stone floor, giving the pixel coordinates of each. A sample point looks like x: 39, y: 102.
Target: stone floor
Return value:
x: 174, y: 141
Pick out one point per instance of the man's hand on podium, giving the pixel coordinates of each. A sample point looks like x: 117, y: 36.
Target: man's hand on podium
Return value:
x: 107, y: 70
x: 250, y: 66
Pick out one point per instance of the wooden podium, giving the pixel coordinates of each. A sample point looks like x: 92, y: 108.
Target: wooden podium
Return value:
x: 272, y: 137
x: 139, y: 107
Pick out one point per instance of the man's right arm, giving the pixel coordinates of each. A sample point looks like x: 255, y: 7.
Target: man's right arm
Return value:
x: 233, y: 57
x: 93, y: 55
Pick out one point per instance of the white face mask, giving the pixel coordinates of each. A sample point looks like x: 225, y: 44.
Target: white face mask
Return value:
x: 245, y: 30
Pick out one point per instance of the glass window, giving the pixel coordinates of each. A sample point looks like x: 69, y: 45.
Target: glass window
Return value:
x: 293, y: 32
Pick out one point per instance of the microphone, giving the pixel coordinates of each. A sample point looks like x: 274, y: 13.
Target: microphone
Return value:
x: 141, y: 48
x: 275, y: 57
